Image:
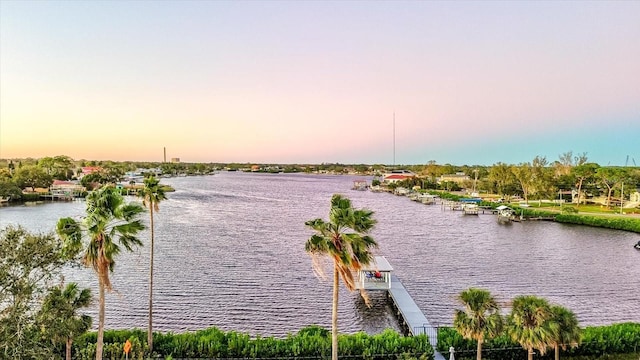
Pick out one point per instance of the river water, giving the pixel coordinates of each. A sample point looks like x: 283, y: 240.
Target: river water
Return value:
x: 230, y: 253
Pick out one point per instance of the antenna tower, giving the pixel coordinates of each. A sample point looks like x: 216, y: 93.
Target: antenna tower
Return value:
x: 394, y: 138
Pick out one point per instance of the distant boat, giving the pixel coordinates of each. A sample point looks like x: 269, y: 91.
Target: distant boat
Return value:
x: 505, y: 213
x: 5, y: 200
x: 470, y: 209
x: 360, y: 185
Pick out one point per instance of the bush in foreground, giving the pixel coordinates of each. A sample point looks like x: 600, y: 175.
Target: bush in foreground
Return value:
x: 312, y: 342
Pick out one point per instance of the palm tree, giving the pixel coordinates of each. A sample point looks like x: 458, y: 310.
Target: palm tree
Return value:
x: 59, y: 314
x: 481, y: 317
x: 344, y: 239
x: 567, y: 331
x: 152, y: 194
x: 530, y: 323
x: 109, y: 224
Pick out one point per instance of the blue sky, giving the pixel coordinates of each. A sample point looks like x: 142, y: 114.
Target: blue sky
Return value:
x: 470, y: 82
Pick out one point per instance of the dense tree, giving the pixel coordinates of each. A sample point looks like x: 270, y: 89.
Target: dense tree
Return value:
x: 610, y: 177
x: 27, y: 263
x: 480, y: 319
x: 344, y: 239
x: 63, y: 167
x: 32, y: 176
x: 524, y: 175
x: 8, y: 189
x: 529, y: 325
x: 542, y: 178
x: 583, y: 172
x: 152, y: 194
x: 110, y: 224
x: 502, y: 177
x: 58, y: 318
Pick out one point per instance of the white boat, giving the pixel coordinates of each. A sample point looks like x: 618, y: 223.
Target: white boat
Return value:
x: 470, y: 209
x: 505, y: 213
x: 360, y: 185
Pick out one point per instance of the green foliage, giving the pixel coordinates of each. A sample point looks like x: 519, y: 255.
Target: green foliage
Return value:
x: 312, y: 341
x: 608, y: 222
x: 33, y: 177
x: 27, y: 263
x: 58, y: 319
x: 618, y: 223
x: 623, y: 338
x: 446, y: 195
x: 9, y: 189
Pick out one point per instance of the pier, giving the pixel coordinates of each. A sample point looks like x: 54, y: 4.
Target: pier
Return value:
x: 378, y: 276
x: 411, y: 315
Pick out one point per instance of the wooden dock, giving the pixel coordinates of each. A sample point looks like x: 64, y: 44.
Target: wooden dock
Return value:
x: 411, y: 314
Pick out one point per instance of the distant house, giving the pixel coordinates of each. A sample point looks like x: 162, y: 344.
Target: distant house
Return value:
x: 458, y: 178
x: 66, y: 188
x: 86, y: 170
x: 397, y: 176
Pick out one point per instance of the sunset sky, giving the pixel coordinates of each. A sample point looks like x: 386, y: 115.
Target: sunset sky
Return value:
x: 319, y: 81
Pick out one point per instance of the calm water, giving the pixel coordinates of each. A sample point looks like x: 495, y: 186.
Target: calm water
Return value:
x: 229, y: 253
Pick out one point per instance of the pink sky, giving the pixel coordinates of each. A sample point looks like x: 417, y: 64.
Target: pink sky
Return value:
x: 311, y: 82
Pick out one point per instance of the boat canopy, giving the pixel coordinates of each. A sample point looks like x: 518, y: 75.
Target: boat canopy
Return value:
x: 379, y: 263
x: 470, y: 200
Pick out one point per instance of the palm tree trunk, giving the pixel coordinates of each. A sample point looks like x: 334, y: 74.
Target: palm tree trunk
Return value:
x: 150, y: 329
x: 579, y: 191
x: 334, y: 315
x: 99, y: 343
x: 530, y: 354
x: 479, y: 355
x: 557, y: 348
x: 68, y: 353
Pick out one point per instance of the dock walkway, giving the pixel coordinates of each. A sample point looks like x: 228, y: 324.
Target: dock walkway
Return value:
x: 411, y: 314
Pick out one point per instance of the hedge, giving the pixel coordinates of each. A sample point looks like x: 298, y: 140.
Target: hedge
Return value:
x: 622, y: 338
x: 311, y: 342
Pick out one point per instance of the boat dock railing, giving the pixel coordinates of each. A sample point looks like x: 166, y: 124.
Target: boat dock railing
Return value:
x: 410, y: 314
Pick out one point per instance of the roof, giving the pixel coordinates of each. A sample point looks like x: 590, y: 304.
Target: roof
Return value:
x: 379, y: 263
x: 397, y: 177
x: 62, y: 182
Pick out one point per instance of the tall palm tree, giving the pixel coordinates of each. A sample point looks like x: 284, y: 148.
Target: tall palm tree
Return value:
x: 58, y: 317
x: 152, y: 194
x: 109, y: 224
x: 530, y: 323
x: 567, y: 331
x: 344, y: 239
x: 481, y: 317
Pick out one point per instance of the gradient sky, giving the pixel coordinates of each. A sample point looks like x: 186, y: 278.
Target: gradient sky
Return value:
x: 319, y: 81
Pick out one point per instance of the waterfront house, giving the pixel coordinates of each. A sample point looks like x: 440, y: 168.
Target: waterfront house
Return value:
x: 397, y: 176
x: 458, y: 178
x: 69, y: 189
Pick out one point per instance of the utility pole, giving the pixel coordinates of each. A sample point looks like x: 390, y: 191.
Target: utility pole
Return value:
x: 621, y: 197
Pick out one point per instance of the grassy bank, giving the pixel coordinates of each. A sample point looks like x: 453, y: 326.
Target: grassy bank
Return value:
x: 595, y: 220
